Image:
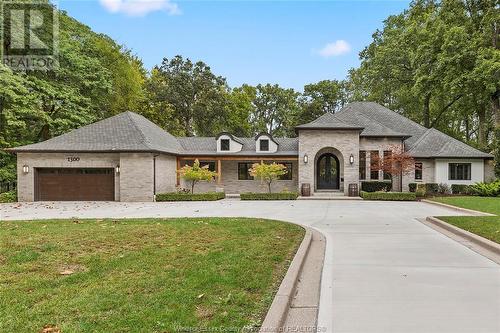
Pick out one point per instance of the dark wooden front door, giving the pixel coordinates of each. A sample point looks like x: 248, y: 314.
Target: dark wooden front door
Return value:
x: 72, y: 184
x: 328, y: 172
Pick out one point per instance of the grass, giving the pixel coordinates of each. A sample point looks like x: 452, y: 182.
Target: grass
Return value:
x: 485, y: 226
x: 141, y: 275
x: 482, y: 204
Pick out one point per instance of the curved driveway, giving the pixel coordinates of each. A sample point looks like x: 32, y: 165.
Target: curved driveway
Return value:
x: 384, y: 270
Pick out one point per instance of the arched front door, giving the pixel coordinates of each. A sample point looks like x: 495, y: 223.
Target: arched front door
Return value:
x: 328, y: 172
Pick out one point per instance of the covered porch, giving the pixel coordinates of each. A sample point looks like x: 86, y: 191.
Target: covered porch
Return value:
x: 233, y: 176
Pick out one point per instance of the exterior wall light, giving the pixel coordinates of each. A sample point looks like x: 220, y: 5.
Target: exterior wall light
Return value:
x: 351, y: 159
x: 26, y: 169
x: 306, y: 158
x: 117, y: 169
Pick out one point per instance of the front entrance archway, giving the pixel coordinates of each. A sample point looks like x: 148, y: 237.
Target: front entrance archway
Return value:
x: 328, y: 172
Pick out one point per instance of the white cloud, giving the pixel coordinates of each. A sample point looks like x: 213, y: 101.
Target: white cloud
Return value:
x: 140, y: 7
x: 334, y: 49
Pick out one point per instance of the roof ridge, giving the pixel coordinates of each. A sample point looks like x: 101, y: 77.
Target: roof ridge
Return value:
x: 426, y: 133
x: 144, y: 140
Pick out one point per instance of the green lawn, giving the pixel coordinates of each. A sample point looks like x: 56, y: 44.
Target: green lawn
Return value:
x: 482, y: 204
x: 141, y: 275
x: 485, y: 226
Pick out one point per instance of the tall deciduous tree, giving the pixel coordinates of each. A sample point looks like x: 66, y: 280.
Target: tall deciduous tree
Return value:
x: 323, y: 96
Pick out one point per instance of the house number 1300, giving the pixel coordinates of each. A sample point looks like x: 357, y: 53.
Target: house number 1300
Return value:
x: 73, y: 159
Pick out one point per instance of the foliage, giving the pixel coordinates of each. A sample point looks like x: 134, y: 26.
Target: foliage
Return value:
x: 156, y: 274
x: 10, y: 196
x: 388, y: 196
x: 268, y: 172
x: 486, y: 189
x: 319, y: 98
x: 431, y: 188
x: 269, y: 196
x: 412, y: 187
x: 444, y: 188
x: 196, y: 173
x: 437, y: 63
x: 420, y: 192
x: 460, y: 189
x: 375, y: 186
x: 399, y: 162
x: 97, y: 78
x: 183, y: 196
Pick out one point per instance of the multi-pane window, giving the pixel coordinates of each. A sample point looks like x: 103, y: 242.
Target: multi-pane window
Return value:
x: 459, y: 171
x: 374, y: 165
x: 362, y: 164
x: 243, y: 171
x: 387, y: 160
x: 289, y: 170
x: 224, y: 144
x: 264, y: 145
x: 418, y: 171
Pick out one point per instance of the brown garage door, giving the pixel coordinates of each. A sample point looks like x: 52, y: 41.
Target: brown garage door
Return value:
x: 74, y: 184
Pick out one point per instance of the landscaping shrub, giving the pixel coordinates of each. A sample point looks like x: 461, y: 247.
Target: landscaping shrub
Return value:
x: 460, y: 189
x: 10, y: 196
x: 412, y: 187
x: 421, y: 191
x: 183, y: 196
x: 432, y: 188
x: 486, y: 189
x: 389, y: 196
x: 269, y: 196
x: 376, y: 186
x: 444, y: 188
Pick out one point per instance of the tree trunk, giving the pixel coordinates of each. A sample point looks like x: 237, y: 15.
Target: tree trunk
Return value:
x: 269, y: 187
x: 427, y: 111
x: 192, y: 187
x: 482, y: 140
x: 495, y: 105
x: 467, y: 129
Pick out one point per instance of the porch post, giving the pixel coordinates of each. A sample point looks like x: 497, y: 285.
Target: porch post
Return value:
x: 219, y: 171
x: 177, y: 173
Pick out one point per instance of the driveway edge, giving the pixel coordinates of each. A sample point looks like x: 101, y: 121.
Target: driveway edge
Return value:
x: 475, y: 242
x: 277, y: 314
x: 460, y: 209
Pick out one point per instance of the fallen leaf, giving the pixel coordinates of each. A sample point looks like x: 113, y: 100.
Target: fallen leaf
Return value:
x: 200, y: 296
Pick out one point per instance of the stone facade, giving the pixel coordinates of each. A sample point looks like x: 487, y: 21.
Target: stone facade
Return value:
x: 314, y: 142
x: 428, y: 170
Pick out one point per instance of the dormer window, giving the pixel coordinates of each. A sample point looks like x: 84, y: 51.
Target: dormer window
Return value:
x: 264, y: 145
x: 224, y: 144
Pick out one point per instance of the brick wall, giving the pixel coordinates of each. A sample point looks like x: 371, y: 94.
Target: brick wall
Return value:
x: 136, y: 177
x: 26, y: 182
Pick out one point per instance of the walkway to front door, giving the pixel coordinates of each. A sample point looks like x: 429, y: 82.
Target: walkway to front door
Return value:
x: 328, y: 172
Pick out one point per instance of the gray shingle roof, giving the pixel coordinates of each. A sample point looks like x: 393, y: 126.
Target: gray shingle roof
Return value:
x: 208, y: 146
x: 126, y: 131
x: 434, y: 143
x: 329, y: 121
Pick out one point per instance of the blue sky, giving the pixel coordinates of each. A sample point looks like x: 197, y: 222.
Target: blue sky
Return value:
x: 291, y: 43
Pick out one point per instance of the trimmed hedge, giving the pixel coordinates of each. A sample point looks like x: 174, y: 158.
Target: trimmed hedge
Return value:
x: 10, y: 196
x: 376, y: 186
x: 460, y: 189
x: 389, y: 196
x: 180, y: 196
x: 269, y: 196
x: 432, y: 188
x: 412, y: 187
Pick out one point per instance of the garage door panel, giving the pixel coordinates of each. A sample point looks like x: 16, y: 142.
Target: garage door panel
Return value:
x: 75, y: 184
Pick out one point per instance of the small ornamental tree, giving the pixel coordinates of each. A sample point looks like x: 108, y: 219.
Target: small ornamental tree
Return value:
x: 268, y: 172
x: 196, y: 173
x: 398, y: 163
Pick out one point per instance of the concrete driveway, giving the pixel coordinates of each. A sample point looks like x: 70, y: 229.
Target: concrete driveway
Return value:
x: 384, y: 270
